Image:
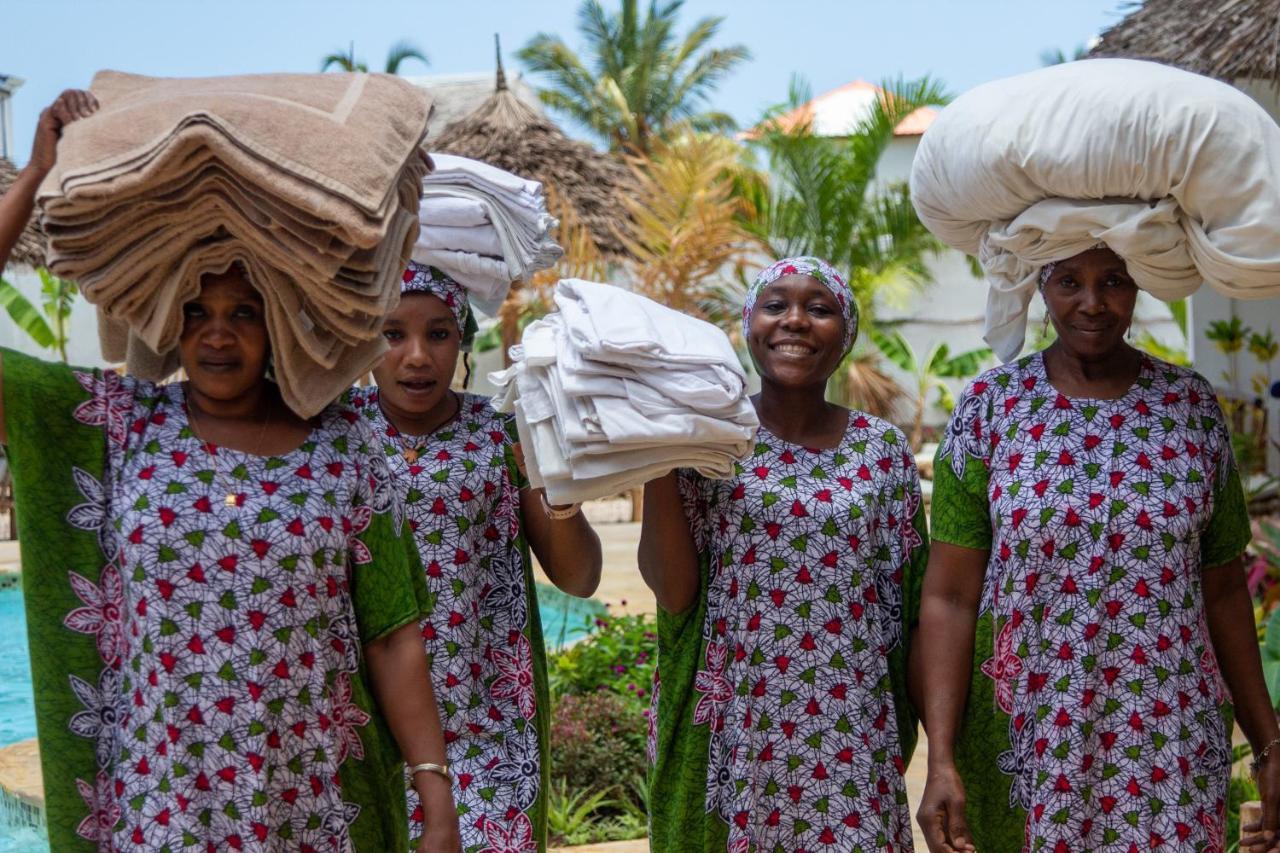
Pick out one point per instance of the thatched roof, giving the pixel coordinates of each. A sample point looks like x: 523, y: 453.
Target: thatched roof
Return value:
x: 1227, y: 39
x: 31, y: 245
x: 456, y: 96
x: 511, y: 135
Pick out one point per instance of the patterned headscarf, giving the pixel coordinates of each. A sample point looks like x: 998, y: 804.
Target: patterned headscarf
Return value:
x: 1047, y: 269
x: 820, y: 271
x: 420, y: 278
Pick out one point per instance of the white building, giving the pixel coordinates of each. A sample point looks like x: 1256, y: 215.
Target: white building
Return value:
x: 8, y: 85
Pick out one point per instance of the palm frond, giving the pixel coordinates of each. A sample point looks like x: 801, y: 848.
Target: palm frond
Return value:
x: 401, y: 52
x: 25, y: 315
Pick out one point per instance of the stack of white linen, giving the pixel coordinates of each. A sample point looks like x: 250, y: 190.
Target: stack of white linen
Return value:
x: 615, y: 390
x: 484, y: 227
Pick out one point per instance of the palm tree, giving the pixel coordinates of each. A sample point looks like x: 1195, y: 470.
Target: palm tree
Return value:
x: 820, y: 195
x: 399, y: 53
x: 1056, y: 55
x: 642, y: 80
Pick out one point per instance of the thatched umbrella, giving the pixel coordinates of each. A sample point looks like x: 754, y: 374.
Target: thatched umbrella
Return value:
x: 509, y: 134
x: 1228, y: 39
x: 31, y: 244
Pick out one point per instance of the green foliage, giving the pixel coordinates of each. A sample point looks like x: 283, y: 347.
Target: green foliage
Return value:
x: 1149, y: 344
x: 1228, y: 335
x: 1241, y: 789
x: 399, y: 53
x: 599, y: 727
x: 930, y: 373
x: 598, y: 743
x: 637, y: 78
x: 1269, y: 648
x: 819, y: 195
x: 25, y: 315
x: 619, y: 657
x: 47, y: 326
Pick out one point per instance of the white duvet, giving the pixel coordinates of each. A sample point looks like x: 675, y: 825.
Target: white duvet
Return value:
x: 1177, y: 173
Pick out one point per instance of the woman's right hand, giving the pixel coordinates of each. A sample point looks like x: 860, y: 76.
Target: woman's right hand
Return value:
x: 941, y: 812
x: 71, y: 105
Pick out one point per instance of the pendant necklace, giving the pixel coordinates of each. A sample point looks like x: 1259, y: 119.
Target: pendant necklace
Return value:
x: 232, y: 498
x: 412, y: 450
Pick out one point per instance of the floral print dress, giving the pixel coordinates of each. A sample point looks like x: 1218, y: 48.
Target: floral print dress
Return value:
x: 782, y: 721
x: 197, y: 617
x: 461, y: 491
x: 1097, y: 719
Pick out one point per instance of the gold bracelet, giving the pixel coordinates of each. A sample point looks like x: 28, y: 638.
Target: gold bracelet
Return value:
x: 428, y: 767
x: 558, y: 514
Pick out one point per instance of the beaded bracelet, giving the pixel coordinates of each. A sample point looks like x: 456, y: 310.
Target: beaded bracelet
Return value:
x: 1261, y: 757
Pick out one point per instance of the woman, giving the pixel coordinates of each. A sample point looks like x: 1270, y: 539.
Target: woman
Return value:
x: 474, y: 519
x: 222, y: 607
x: 1088, y: 528
x: 782, y: 722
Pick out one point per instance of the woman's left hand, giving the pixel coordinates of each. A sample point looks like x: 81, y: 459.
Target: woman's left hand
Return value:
x: 1263, y: 836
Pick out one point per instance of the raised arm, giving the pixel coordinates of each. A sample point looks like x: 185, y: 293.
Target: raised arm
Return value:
x: 17, y: 204
x: 668, y: 557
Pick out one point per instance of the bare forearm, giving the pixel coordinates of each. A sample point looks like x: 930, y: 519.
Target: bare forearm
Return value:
x: 667, y: 556
x: 16, y: 207
x: 945, y: 667
x: 1229, y: 615
x: 568, y: 549
x: 402, y: 685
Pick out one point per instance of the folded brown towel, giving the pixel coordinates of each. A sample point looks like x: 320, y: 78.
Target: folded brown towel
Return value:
x: 311, y: 182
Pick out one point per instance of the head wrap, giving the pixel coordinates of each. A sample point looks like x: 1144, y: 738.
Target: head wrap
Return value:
x: 1047, y: 269
x: 420, y: 278
x: 820, y: 271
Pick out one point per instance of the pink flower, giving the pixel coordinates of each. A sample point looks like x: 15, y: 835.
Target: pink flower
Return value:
x: 518, y: 838
x: 101, y: 616
x: 1004, y: 668
x: 348, y: 719
x: 516, y: 677
x: 104, y: 812
x: 110, y: 403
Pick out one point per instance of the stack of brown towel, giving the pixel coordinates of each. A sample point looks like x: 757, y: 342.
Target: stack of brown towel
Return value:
x: 311, y: 182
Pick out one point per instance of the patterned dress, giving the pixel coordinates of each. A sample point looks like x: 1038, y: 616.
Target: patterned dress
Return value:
x: 197, y: 657
x: 782, y: 718
x: 462, y: 500
x: 1097, y: 719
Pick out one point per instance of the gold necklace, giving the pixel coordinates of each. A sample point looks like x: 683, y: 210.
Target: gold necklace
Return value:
x: 232, y: 498
x: 413, y: 453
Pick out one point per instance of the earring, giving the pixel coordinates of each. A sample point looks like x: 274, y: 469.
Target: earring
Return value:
x: 1128, y: 334
x: 1044, y: 329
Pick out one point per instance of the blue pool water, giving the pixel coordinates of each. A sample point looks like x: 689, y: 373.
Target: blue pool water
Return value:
x: 17, y: 717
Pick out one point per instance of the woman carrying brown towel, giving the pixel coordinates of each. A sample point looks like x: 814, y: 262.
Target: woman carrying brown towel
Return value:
x: 223, y: 598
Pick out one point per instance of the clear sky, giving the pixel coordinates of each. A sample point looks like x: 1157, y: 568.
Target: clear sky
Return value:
x: 55, y: 44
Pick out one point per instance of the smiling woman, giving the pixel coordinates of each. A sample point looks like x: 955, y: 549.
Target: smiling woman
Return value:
x: 782, y: 715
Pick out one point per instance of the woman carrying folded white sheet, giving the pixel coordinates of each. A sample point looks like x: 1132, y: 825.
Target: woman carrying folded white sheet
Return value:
x: 782, y: 717
x: 475, y: 519
x: 222, y: 609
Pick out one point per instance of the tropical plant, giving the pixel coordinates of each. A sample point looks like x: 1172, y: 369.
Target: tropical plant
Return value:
x: 638, y: 78
x: 1056, y: 55
x: 48, y: 326
x: 572, y: 813
x: 686, y: 221
x: 929, y: 373
x: 620, y: 657
x: 400, y: 52
x: 1230, y: 337
x: 820, y: 195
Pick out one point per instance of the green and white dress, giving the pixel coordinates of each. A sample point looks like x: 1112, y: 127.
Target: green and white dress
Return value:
x: 460, y: 487
x: 780, y: 720
x: 1097, y: 718
x: 196, y: 618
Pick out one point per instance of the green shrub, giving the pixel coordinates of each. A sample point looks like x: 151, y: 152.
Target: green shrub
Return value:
x: 619, y: 657
x: 598, y: 744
